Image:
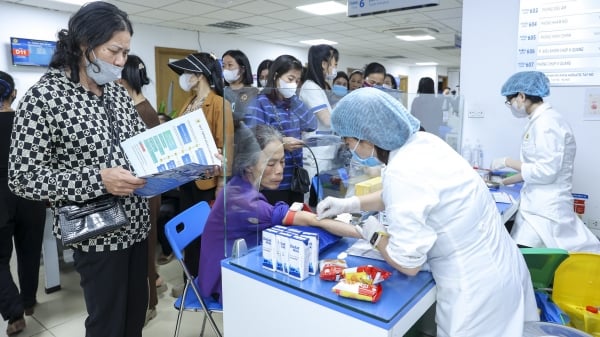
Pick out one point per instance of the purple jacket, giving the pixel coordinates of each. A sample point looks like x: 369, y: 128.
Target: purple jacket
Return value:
x: 248, y: 213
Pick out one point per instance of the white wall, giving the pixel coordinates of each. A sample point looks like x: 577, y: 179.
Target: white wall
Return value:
x: 489, y: 43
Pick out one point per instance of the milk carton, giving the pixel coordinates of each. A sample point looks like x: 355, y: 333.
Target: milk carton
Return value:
x: 293, y: 230
x: 280, y: 228
x: 313, y: 246
x: 283, y: 240
x: 298, y: 257
x: 269, y: 248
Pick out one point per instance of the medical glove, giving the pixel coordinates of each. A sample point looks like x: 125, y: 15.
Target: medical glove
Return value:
x: 372, y: 230
x: 331, y: 207
x: 498, y: 163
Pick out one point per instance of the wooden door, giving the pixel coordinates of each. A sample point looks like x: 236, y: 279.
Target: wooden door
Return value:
x: 403, y: 87
x: 167, y: 78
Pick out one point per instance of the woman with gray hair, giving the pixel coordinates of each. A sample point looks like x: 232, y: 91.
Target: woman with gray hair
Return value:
x: 259, y: 161
x: 439, y: 212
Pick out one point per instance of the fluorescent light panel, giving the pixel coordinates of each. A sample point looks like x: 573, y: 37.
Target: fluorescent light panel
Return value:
x: 73, y: 2
x: 318, y: 41
x: 426, y: 63
x: 323, y: 8
x: 411, y: 38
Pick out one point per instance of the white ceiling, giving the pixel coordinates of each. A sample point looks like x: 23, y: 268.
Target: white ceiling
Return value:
x: 277, y: 21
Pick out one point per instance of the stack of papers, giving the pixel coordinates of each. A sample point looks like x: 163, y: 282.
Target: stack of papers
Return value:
x: 502, y: 197
x: 173, y: 153
x: 363, y: 248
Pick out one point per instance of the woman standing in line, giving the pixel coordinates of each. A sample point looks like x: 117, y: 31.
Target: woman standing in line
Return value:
x: 546, y: 217
x: 355, y: 80
x: 21, y: 220
x: 200, y: 73
x: 65, y: 149
x: 322, y: 64
x: 374, y: 75
x: 239, y: 91
x: 279, y: 106
x: 427, y: 107
x: 339, y: 88
x: 262, y: 73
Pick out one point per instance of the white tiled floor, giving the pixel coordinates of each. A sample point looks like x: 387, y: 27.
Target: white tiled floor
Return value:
x: 62, y: 313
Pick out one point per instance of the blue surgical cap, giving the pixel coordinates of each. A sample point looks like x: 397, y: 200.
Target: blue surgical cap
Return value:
x: 531, y: 83
x: 373, y: 115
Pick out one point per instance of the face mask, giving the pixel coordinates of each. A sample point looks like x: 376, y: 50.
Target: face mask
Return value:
x: 369, y: 161
x: 333, y: 74
x: 519, y: 112
x: 184, y: 82
x: 231, y: 75
x: 286, y: 89
x: 386, y: 86
x: 107, y: 73
x: 263, y: 83
x: 339, y: 90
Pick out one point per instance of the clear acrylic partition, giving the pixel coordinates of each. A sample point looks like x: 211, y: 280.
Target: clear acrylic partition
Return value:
x: 329, y: 163
x: 439, y: 114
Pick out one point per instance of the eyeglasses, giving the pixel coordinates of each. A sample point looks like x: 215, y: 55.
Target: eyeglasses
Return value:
x: 509, y: 99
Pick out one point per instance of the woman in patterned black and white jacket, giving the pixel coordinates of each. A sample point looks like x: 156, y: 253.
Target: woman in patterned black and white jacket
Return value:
x: 65, y: 148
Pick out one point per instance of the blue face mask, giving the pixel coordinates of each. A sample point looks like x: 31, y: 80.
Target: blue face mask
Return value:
x: 369, y: 161
x: 339, y: 90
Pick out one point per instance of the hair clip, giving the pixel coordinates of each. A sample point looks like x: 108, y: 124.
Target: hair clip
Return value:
x: 214, y: 57
x: 141, y: 66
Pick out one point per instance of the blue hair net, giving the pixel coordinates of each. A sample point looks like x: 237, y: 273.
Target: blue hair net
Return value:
x: 532, y: 83
x: 375, y: 116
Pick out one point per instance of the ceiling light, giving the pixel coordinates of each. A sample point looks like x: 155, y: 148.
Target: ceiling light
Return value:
x: 323, y: 8
x: 426, y: 63
x: 74, y: 2
x: 318, y: 41
x: 415, y: 37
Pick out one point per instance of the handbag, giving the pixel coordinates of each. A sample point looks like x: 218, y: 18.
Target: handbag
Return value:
x: 300, y: 180
x: 96, y: 217
x: 81, y: 221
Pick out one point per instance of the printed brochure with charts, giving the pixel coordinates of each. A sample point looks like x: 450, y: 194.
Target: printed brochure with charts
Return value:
x: 173, y: 153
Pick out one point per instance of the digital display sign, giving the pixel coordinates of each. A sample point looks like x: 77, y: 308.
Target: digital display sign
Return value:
x: 29, y: 52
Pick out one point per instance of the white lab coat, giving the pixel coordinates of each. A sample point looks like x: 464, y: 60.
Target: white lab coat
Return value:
x: 440, y: 211
x: 546, y: 216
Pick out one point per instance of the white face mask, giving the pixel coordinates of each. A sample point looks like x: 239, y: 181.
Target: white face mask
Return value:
x: 286, y: 89
x: 387, y: 86
x: 519, y: 112
x: 332, y: 75
x: 231, y: 75
x: 263, y: 83
x: 184, y: 82
x: 103, y: 72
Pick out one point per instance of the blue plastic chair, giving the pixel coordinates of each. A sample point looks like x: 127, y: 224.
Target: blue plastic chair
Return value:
x: 180, y: 232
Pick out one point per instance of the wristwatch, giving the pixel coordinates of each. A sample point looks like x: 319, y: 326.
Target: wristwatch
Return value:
x: 376, y: 237
x: 288, y: 219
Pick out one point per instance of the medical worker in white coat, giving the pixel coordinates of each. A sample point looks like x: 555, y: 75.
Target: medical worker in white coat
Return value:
x: 440, y: 213
x: 546, y: 217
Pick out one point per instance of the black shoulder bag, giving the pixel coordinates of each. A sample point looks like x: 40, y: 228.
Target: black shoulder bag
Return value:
x: 81, y: 221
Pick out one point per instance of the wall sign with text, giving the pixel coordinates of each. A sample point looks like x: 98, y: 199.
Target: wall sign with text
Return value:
x: 561, y: 39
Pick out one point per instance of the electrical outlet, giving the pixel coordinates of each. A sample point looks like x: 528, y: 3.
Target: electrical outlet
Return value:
x: 594, y: 223
x: 475, y: 114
